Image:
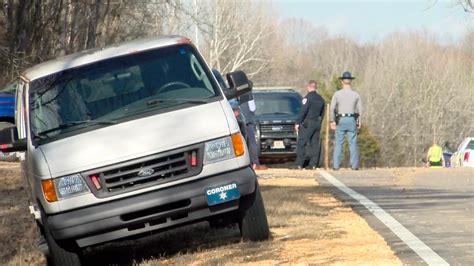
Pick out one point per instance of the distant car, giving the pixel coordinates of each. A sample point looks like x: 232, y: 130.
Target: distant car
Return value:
x: 7, y: 114
x: 464, y: 156
x: 7, y: 106
x: 277, y: 110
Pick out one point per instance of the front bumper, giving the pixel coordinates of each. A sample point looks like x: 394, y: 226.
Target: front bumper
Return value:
x: 266, y: 151
x: 154, y: 210
x: 277, y: 154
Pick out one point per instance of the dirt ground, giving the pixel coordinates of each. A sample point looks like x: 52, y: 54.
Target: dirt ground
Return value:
x: 18, y: 236
x: 308, y: 226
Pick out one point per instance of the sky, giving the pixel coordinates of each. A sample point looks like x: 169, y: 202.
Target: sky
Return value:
x: 371, y: 21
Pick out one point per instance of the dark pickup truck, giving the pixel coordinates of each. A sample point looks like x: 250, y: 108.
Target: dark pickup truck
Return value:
x: 277, y: 110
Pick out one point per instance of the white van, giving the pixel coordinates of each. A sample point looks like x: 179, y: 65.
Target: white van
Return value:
x: 131, y: 138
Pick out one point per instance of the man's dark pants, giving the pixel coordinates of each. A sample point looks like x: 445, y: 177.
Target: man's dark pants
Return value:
x: 252, y: 144
x: 308, y: 134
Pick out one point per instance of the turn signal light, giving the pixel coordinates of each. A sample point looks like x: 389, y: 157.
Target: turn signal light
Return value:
x: 238, y: 143
x: 49, y: 191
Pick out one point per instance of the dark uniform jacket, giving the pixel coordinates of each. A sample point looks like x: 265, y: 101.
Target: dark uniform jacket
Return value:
x: 312, y: 109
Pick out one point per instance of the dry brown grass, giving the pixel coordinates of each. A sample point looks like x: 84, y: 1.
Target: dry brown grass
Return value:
x: 17, y: 229
x: 307, y: 224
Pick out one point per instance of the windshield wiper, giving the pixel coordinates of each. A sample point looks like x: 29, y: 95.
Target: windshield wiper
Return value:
x: 277, y: 113
x: 75, y: 123
x: 155, y: 101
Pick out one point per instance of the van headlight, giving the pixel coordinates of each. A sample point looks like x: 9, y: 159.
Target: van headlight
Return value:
x: 64, y: 187
x: 224, y: 148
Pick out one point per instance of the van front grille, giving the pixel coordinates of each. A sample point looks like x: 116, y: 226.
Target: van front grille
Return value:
x: 148, y: 171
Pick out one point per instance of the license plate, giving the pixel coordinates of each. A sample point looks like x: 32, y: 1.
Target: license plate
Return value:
x: 278, y: 144
x: 223, y: 193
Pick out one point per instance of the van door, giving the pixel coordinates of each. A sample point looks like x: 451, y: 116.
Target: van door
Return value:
x: 20, y: 109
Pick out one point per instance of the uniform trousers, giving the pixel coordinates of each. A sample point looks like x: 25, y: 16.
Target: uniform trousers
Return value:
x: 308, y: 134
x: 346, y: 127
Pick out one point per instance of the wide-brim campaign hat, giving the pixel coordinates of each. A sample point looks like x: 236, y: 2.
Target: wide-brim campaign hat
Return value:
x: 347, y: 75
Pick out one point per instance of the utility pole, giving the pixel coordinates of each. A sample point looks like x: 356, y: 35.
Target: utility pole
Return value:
x: 326, y: 141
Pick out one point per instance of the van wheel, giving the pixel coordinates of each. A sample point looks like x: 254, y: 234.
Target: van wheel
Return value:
x: 253, y: 222
x: 61, y: 253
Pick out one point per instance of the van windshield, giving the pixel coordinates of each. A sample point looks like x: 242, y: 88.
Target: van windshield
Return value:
x: 116, y: 89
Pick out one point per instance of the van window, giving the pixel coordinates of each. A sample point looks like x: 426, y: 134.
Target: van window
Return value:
x: 470, y: 145
x: 138, y: 84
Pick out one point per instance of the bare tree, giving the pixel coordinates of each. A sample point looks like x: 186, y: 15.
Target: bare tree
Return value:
x: 36, y: 30
x: 236, y: 35
x: 467, y: 5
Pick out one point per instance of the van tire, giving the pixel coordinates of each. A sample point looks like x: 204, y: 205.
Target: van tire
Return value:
x: 61, y: 253
x: 253, y: 223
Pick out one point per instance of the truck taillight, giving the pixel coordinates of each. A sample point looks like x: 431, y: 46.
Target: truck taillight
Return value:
x: 466, y: 156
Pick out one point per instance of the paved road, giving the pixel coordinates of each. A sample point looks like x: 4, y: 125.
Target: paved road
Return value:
x: 436, y: 205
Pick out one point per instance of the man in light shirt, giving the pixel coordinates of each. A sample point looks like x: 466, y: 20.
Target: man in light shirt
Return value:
x: 346, y: 110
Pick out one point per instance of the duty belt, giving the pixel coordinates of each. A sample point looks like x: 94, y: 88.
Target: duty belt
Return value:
x: 346, y: 115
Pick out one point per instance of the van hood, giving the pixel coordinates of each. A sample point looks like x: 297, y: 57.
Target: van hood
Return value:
x: 134, y: 139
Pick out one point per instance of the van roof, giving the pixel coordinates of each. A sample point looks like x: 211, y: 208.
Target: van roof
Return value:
x: 101, y: 53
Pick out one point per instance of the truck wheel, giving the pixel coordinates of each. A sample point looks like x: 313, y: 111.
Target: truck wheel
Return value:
x: 253, y: 222
x: 61, y: 253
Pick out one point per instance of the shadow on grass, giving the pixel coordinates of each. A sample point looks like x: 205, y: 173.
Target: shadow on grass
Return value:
x: 287, y: 207
x: 190, y: 239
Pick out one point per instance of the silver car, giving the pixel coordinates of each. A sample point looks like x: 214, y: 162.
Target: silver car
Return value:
x: 129, y: 139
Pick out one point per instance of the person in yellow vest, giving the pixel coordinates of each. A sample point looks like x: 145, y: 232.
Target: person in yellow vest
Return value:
x: 435, y: 158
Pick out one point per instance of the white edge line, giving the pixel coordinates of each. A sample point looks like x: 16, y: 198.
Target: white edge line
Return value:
x: 420, y: 248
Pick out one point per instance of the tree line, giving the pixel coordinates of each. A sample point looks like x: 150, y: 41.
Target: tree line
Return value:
x: 414, y: 89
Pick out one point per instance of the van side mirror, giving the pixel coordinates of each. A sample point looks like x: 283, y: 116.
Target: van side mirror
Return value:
x: 9, y: 141
x: 239, y: 84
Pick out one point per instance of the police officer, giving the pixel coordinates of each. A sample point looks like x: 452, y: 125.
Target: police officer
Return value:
x: 346, y: 109
x: 248, y: 107
x: 308, y: 126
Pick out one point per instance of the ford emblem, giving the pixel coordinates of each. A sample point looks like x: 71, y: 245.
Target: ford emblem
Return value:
x: 146, y: 172
x: 277, y: 128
